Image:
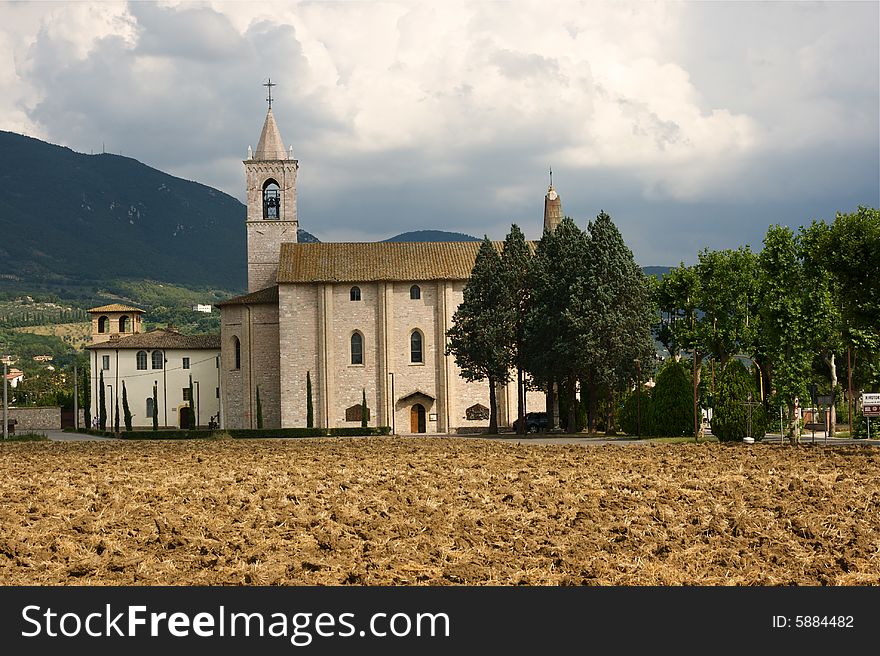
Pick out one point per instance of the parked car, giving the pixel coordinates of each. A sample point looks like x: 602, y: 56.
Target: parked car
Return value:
x: 536, y: 422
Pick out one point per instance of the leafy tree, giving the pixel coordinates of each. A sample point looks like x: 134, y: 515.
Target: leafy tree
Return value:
x: 310, y: 413
x: 516, y: 261
x: 678, y: 297
x: 786, y: 319
x: 672, y: 404
x: 102, y: 403
x: 364, y: 410
x: 730, y: 417
x: 125, y: 409
x: 479, y: 336
x: 155, y: 408
x: 259, y: 409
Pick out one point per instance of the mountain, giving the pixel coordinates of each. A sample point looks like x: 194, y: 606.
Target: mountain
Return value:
x: 69, y: 217
x: 658, y: 271
x: 432, y: 235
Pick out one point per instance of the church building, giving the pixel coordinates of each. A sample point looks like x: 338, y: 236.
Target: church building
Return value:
x: 327, y: 325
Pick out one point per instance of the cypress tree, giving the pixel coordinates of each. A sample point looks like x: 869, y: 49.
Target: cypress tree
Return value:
x: 259, y: 409
x: 733, y: 387
x: 102, y: 403
x: 116, y: 412
x: 479, y: 336
x: 364, y: 409
x: 310, y: 413
x: 86, y: 398
x: 125, y: 409
x: 672, y: 403
x: 516, y: 262
x: 155, y: 408
x: 192, y: 405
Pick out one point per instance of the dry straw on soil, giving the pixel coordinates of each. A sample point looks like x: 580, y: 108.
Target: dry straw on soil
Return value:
x: 396, y: 511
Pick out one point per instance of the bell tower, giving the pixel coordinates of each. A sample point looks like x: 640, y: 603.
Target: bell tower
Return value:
x: 270, y: 172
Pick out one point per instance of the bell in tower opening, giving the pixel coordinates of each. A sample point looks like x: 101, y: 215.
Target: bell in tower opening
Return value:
x: 271, y: 200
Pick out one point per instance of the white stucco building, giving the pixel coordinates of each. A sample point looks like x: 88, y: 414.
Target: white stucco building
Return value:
x: 162, y: 358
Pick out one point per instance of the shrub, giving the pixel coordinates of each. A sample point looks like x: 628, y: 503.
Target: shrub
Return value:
x: 629, y: 412
x: 672, y: 402
x: 729, y: 416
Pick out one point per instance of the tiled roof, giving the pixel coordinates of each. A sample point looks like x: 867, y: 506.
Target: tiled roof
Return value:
x: 115, y: 307
x: 267, y: 295
x: 371, y: 261
x: 161, y: 338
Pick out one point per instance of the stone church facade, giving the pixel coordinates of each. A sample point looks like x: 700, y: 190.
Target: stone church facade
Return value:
x: 350, y: 320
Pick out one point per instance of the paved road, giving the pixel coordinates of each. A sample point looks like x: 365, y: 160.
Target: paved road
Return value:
x: 541, y: 438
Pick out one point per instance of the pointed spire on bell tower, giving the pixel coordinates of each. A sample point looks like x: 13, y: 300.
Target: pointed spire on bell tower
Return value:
x: 552, y: 207
x: 270, y: 172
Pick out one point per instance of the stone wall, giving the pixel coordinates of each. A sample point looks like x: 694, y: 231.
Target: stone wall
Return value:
x: 48, y: 418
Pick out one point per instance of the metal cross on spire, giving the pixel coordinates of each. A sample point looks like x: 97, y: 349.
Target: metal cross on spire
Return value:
x: 269, y: 84
x: 551, y: 176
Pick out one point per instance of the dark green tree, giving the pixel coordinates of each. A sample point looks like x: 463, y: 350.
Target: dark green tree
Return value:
x: 155, y: 408
x: 310, y: 412
x: 481, y: 327
x: 553, y: 331
x: 116, y: 411
x: 192, y: 405
x: 632, y: 407
x: 102, y: 403
x: 126, y: 411
x: 734, y: 387
x: 259, y: 409
x: 516, y: 261
x: 365, y: 411
x: 86, y: 396
x: 613, y: 311
x: 672, y: 402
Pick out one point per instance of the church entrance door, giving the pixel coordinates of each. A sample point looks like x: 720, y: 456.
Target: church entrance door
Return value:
x: 417, y: 418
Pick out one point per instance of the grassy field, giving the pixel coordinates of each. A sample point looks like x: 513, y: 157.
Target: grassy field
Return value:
x: 437, y: 511
x: 75, y: 334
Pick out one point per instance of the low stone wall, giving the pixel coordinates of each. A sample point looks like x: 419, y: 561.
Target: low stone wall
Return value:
x: 48, y: 418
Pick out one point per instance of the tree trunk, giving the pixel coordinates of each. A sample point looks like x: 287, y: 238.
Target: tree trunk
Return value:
x: 610, y: 428
x: 493, y: 408
x: 520, y: 402
x: 832, y: 415
x: 554, y: 407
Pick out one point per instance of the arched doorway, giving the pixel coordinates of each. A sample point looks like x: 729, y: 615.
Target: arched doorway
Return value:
x: 417, y: 418
x: 185, y: 421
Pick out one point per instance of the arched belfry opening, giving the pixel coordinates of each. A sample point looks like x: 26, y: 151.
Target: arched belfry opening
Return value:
x: 271, y: 200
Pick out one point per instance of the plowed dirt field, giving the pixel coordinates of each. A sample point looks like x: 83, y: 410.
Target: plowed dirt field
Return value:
x: 441, y: 511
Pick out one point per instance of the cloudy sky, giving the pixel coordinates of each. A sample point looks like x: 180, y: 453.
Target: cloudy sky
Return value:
x: 692, y: 124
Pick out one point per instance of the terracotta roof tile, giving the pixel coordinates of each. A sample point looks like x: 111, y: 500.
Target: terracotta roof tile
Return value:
x: 371, y: 261
x: 161, y: 338
x: 115, y: 307
x: 267, y: 295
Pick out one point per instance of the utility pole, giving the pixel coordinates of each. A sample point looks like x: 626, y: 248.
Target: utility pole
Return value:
x: 696, y: 425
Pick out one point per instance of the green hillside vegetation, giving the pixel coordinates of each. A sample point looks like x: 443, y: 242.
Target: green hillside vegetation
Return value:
x: 70, y: 219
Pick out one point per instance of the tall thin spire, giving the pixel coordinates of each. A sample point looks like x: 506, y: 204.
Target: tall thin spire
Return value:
x: 552, y: 207
x: 271, y: 146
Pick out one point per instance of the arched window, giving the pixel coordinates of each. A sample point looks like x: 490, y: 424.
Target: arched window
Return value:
x: 271, y: 200
x: 150, y: 407
x: 415, y: 347
x: 236, y: 346
x: 158, y: 360
x: 141, y: 359
x: 355, y: 294
x: 357, y: 348
x: 124, y: 323
x: 415, y: 293
x: 103, y: 323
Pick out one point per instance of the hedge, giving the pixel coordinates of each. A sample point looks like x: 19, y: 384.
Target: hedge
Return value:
x: 239, y: 433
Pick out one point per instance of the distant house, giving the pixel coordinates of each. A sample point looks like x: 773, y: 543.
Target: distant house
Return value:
x: 43, y: 358
x: 14, y: 377
x: 161, y: 359
x: 202, y: 308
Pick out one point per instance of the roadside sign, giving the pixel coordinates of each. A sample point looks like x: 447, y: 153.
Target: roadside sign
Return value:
x: 871, y: 405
